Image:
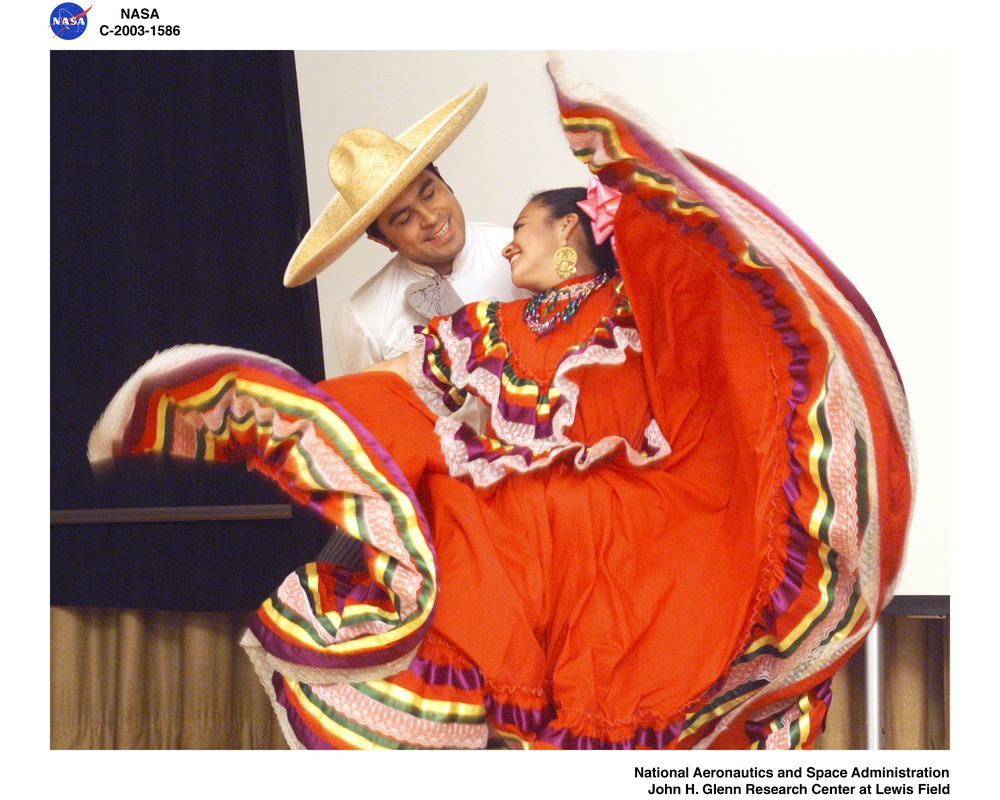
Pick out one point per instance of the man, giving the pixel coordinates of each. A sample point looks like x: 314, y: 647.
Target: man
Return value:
x: 441, y: 264
x: 390, y: 189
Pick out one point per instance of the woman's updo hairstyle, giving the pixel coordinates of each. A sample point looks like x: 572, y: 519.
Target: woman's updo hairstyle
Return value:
x: 560, y: 202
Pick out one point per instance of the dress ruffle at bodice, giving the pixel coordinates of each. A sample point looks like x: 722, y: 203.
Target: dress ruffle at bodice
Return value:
x: 496, y: 417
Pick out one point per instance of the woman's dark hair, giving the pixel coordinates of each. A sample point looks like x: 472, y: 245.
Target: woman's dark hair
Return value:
x: 560, y: 202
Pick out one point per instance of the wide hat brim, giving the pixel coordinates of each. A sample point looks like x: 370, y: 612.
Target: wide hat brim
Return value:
x: 340, y: 225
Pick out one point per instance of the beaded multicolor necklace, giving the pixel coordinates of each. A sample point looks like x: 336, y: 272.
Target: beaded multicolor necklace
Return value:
x: 542, y: 312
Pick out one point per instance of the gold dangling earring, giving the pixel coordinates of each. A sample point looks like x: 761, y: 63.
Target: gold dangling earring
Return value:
x: 565, y: 261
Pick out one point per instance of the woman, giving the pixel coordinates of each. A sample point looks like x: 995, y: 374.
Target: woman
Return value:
x: 658, y: 507
x: 533, y: 449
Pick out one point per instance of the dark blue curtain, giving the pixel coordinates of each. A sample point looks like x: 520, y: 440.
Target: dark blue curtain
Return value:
x: 178, y: 196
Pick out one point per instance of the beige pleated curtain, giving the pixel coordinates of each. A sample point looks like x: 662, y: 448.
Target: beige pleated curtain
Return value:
x: 131, y: 679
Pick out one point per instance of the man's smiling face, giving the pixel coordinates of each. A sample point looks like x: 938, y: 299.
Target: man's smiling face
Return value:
x: 425, y: 223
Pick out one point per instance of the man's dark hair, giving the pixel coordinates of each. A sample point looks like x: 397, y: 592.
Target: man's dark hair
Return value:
x: 375, y: 231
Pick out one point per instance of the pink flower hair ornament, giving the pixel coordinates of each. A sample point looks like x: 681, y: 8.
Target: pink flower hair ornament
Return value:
x: 601, y: 206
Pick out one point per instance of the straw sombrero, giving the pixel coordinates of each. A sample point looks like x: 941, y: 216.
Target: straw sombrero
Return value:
x: 369, y: 169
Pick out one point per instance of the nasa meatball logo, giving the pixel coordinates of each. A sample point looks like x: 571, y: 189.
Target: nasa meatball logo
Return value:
x: 68, y: 21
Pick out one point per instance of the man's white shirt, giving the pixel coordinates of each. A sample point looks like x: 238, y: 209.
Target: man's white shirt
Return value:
x: 377, y: 322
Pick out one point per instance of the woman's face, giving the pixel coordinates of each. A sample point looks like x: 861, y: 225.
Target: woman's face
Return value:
x: 530, y: 252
